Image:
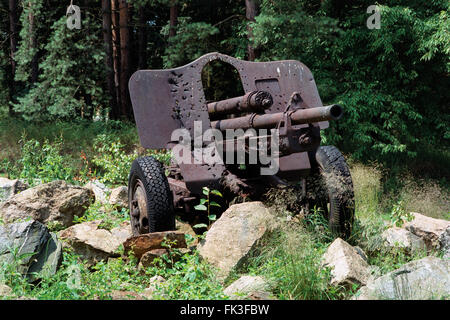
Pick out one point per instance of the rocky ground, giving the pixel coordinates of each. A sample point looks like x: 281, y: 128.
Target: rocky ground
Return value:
x: 38, y: 223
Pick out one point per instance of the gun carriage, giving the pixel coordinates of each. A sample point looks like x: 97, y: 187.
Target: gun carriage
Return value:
x: 280, y: 112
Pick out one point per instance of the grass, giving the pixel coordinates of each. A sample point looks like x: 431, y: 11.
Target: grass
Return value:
x: 290, y: 258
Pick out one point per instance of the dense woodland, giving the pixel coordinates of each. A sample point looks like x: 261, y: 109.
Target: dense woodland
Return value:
x: 393, y: 82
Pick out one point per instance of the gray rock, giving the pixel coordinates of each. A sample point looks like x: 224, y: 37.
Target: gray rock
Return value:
x: 21, y: 242
x: 125, y: 295
x: 247, y: 286
x: 122, y: 232
x: 361, y: 253
x: 444, y: 241
x: 186, y: 229
x: 402, y: 238
x: 429, y: 229
x: 5, y: 291
x: 234, y: 234
x: 119, y: 197
x: 424, y: 279
x: 155, y: 281
x: 31, y: 247
x: 93, y: 243
x: 99, y: 189
x: 8, y: 188
x: 56, y: 202
x: 48, y: 260
x: 347, y: 265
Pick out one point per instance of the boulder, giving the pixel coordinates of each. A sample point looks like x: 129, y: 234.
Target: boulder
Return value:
x: 348, y: 267
x: 361, y: 253
x: 444, y: 241
x: 429, y: 229
x: 40, y: 251
x: 148, y: 258
x: 249, y: 287
x: 56, y: 202
x: 155, y: 282
x: 139, y: 245
x: 261, y: 295
x: 8, y: 188
x: 22, y: 239
x: 125, y: 295
x: 401, y: 238
x: 91, y: 242
x: 122, y: 232
x: 424, y: 279
x: 234, y: 234
x: 119, y: 197
x: 186, y: 228
x: 48, y: 260
x: 99, y: 189
x: 5, y: 291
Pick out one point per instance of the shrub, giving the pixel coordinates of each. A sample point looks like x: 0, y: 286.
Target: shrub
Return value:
x: 113, y: 162
x: 43, y: 163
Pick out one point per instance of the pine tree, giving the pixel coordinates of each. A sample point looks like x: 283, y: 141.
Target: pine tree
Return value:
x: 70, y: 84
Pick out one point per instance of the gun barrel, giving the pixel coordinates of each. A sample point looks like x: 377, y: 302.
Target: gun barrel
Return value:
x: 253, y: 101
x: 269, y: 121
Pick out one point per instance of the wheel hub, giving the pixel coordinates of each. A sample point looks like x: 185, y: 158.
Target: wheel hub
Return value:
x: 138, y: 210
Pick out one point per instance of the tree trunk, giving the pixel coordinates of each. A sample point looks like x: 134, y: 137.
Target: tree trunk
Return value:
x: 124, y: 56
x: 142, y: 39
x: 107, y: 39
x: 173, y: 19
x: 116, y: 54
x: 33, y: 46
x: 13, y: 44
x: 250, y: 13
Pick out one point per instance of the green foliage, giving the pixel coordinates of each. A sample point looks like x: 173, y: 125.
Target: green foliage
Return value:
x: 390, y: 81
x: 29, y: 35
x: 192, y: 40
x: 111, y: 159
x: 64, y: 90
x: 399, y: 216
x: 163, y: 156
x: 291, y: 260
x: 43, y: 163
x: 189, y: 278
x: 206, y: 204
x: 111, y: 217
x: 359, y: 68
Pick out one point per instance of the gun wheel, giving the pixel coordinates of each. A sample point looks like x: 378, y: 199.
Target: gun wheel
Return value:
x: 149, y: 197
x: 334, y: 190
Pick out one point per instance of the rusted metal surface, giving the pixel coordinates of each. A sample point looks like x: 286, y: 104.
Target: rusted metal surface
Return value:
x: 281, y: 94
x: 269, y: 121
x: 164, y: 100
x: 138, y: 210
x: 254, y: 101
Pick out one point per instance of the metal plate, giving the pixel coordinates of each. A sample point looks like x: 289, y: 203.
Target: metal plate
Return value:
x: 164, y: 100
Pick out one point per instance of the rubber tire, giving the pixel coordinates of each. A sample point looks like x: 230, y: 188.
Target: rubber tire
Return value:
x: 159, y: 197
x: 338, y: 185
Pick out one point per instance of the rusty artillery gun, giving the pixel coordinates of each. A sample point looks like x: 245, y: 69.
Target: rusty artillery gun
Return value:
x: 283, y: 112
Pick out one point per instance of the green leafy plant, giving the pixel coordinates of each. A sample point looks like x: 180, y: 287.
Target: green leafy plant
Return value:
x: 206, y: 204
x: 111, y: 218
x: 43, y: 162
x: 399, y: 215
x: 112, y: 160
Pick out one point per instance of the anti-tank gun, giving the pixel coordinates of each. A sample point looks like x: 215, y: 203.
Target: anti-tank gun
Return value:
x: 241, y: 145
